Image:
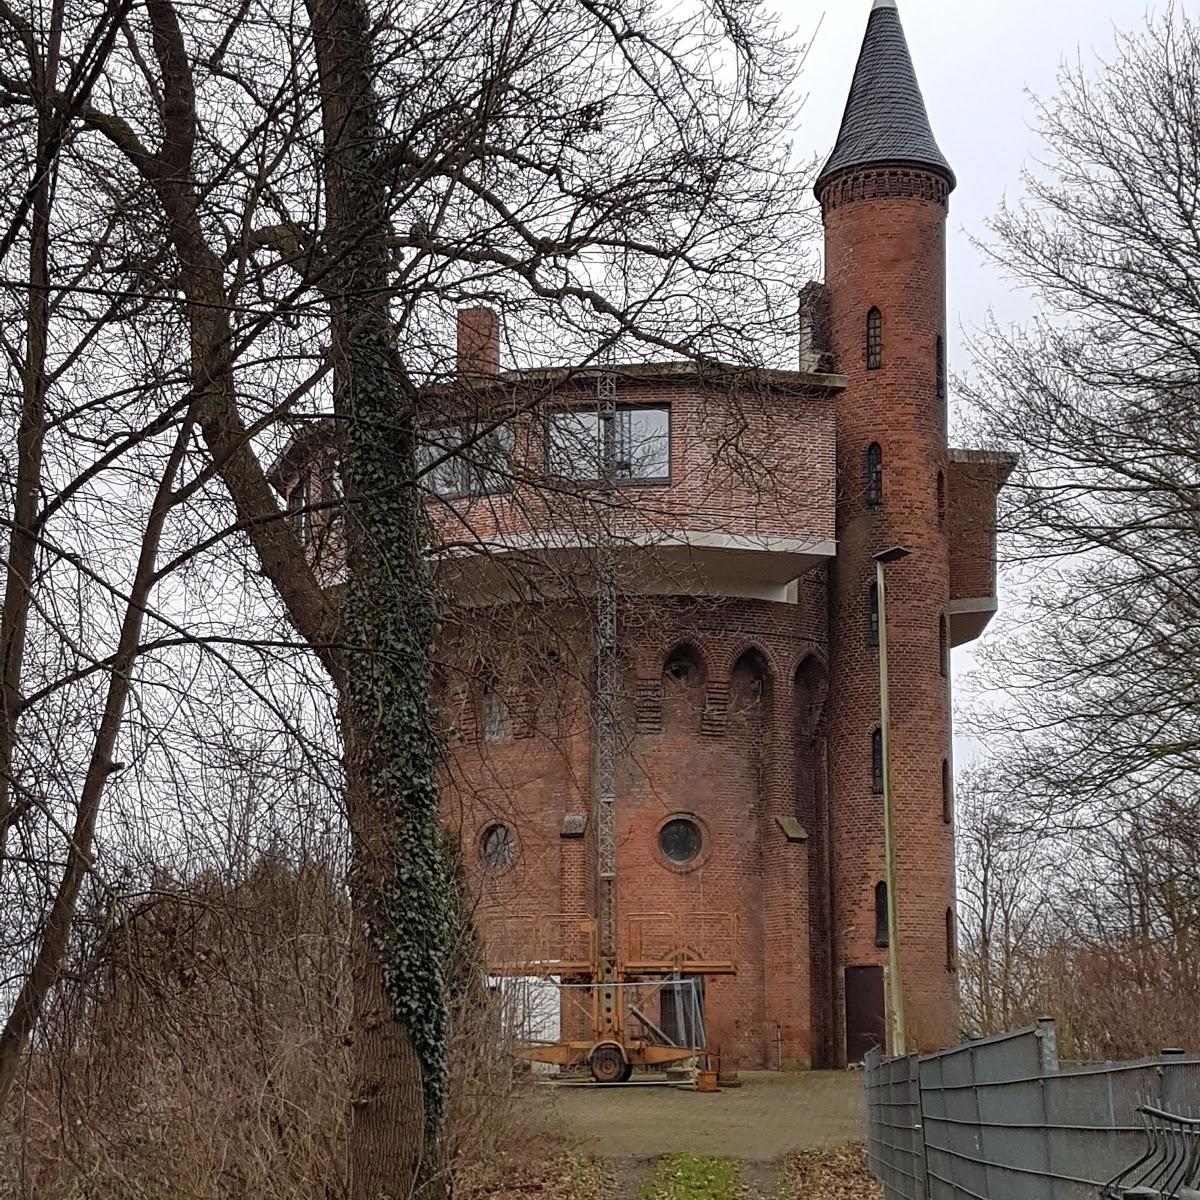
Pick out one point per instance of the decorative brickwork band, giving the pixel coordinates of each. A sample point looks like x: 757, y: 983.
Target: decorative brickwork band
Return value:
x: 885, y: 183
x: 716, y: 710
x: 649, y: 705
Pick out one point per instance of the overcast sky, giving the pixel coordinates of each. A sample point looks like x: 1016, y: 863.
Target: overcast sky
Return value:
x: 977, y: 60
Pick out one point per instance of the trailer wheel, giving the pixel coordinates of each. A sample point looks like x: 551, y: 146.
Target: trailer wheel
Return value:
x: 608, y: 1064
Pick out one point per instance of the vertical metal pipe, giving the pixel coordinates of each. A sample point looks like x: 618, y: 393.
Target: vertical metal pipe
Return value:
x: 896, y: 983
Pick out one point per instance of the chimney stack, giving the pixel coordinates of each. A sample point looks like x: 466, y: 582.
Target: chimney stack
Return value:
x: 478, y: 341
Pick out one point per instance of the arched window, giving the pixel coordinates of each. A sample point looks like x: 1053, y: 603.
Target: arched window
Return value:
x: 943, y: 645
x: 881, y: 914
x: 493, y: 715
x: 683, y: 690
x: 497, y: 847
x: 941, y: 499
x: 874, y: 340
x: 873, y: 615
x: 877, y: 762
x: 874, y: 475
x: 947, y: 792
x: 951, y: 940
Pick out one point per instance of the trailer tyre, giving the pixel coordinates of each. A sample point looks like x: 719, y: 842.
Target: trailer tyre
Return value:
x: 608, y: 1064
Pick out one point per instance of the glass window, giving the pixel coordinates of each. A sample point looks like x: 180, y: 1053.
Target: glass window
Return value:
x: 874, y: 475
x: 498, y: 847
x: 463, y: 460
x: 638, y: 447
x: 680, y: 840
x: 877, y: 762
x: 299, y: 501
x: 874, y: 340
x: 873, y: 615
x: 881, y: 914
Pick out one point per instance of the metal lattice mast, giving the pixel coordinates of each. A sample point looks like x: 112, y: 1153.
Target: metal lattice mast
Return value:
x: 606, y: 701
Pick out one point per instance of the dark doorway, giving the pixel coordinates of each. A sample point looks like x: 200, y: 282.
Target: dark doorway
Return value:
x: 681, y: 1011
x: 866, y: 1019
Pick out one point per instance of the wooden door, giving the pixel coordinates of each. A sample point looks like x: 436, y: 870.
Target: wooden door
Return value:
x: 866, y: 1015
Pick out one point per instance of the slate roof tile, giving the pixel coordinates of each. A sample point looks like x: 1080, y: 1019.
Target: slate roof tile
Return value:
x: 885, y: 119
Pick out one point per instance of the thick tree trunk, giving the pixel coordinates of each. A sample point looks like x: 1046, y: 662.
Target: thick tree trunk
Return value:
x: 399, y: 877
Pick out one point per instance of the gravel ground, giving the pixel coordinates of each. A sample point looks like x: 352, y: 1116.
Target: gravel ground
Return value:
x: 771, y: 1116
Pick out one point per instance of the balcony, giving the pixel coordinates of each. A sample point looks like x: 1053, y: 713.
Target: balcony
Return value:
x: 976, y: 477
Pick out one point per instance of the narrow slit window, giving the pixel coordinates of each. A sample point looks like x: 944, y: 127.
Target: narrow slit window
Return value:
x: 874, y: 475
x: 941, y: 370
x: 874, y: 340
x: 881, y: 914
x: 941, y: 499
x: 873, y: 615
x: 951, y: 940
x: 877, y: 762
x: 947, y: 792
x: 944, y: 645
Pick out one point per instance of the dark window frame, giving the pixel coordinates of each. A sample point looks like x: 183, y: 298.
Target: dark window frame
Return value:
x: 507, y: 848
x: 873, y: 616
x: 874, y: 475
x: 622, y: 481
x: 663, y: 836
x: 874, y: 339
x: 471, y: 484
x: 877, y: 768
x: 881, y: 915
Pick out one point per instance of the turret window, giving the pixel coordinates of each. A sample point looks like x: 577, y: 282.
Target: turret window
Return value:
x: 874, y: 340
x: 951, y: 941
x: 873, y: 615
x: 941, y: 499
x: 947, y: 792
x: 877, y: 762
x: 944, y: 645
x: 874, y: 475
x: 941, y: 369
x: 881, y: 914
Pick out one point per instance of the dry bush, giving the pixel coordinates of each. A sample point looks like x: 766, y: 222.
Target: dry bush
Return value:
x: 200, y: 1050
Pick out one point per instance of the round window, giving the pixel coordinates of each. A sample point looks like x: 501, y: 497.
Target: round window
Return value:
x: 498, y: 847
x: 680, y: 840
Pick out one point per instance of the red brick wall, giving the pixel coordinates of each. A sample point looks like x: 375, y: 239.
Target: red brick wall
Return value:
x: 743, y: 461
x: 722, y: 749
x: 973, y: 485
x: 889, y: 253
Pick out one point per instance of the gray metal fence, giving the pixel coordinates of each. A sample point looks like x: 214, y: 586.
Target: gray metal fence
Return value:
x: 1002, y: 1119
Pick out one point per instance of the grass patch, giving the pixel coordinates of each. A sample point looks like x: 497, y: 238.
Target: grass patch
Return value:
x: 690, y: 1177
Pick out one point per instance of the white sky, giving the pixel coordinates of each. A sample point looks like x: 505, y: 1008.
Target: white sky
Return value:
x: 976, y: 60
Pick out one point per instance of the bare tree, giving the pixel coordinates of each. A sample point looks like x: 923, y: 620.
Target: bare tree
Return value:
x: 266, y: 178
x: 1100, y: 397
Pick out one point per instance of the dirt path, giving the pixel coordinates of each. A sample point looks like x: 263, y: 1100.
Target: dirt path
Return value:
x: 770, y: 1116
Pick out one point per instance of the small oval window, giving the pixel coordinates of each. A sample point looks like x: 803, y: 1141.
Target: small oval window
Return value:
x: 497, y: 847
x: 680, y: 840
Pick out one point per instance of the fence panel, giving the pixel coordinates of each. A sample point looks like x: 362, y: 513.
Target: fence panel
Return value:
x: 895, y: 1146
x: 1002, y: 1119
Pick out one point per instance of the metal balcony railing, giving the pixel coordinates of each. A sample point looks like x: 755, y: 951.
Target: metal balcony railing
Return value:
x: 1170, y: 1167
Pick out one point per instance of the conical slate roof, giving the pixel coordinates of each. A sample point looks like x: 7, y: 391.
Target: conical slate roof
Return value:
x: 885, y: 119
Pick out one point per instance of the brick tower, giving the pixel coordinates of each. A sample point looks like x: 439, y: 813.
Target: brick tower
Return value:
x: 884, y: 198
x: 726, y: 794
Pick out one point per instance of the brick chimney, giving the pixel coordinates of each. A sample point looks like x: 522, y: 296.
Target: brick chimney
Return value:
x: 478, y: 341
